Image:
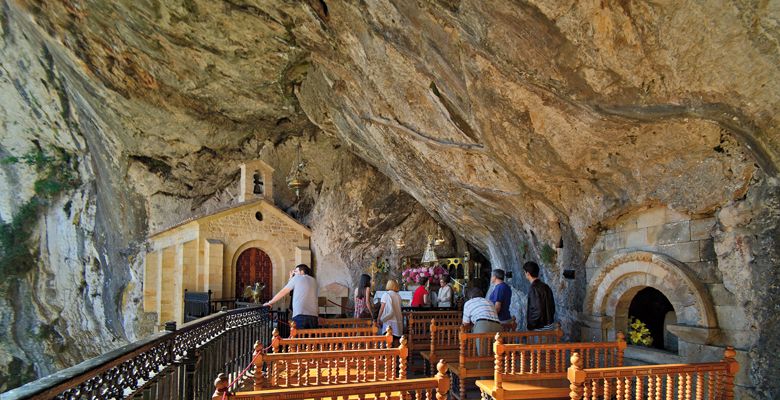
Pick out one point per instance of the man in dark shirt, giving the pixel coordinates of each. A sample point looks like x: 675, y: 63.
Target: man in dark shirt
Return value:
x: 501, y: 296
x: 541, y: 305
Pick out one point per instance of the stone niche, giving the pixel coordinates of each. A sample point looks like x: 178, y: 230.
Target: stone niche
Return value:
x: 673, y: 254
x: 225, y: 251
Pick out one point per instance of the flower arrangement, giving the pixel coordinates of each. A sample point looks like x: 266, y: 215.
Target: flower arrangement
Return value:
x: 638, y: 333
x: 413, y: 275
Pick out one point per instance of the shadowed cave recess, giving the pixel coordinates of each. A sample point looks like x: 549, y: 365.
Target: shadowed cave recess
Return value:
x: 633, y: 144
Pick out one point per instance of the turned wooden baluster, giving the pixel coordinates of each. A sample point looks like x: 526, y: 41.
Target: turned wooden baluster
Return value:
x: 627, y: 388
x: 403, y: 353
x: 607, y: 393
x: 657, y: 388
x: 687, y: 386
x: 276, y: 341
x: 619, y: 389
x: 462, y: 360
x: 669, y: 387
x: 638, y: 391
x: 442, y: 381
x: 713, y: 377
x: 650, y: 387
x: 576, y: 378
x: 700, y: 386
x: 498, y: 352
x: 432, y: 355
x: 258, y: 361
x: 680, y: 386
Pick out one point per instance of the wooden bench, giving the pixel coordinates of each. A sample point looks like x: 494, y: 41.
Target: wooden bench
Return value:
x: 280, y: 370
x: 459, y: 348
x: 296, y: 345
x: 539, y: 371
x: 423, y: 388
x: 331, y: 332
x: 418, y: 325
x: 328, y: 323
x: 715, y: 379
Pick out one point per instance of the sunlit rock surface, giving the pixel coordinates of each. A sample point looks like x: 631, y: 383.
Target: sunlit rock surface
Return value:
x: 522, y: 127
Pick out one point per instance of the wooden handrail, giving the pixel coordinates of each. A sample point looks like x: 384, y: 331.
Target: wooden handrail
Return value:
x: 294, y: 345
x: 440, y: 383
x: 331, y: 332
x: 654, y: 381
x: 346, y: 322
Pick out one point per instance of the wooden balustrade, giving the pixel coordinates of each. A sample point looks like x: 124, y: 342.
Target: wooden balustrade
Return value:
x: 331, y: 332
x: 329, y: 368
x: 406, y: 389
x: 531, y: 370
x: 699, y: 381
x: 419, y: 325
x: 295, y: 345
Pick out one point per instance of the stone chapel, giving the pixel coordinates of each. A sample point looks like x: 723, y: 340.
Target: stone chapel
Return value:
x: 225, y: 251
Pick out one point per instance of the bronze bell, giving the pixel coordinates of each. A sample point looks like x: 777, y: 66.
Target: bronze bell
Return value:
x: 258, y: 180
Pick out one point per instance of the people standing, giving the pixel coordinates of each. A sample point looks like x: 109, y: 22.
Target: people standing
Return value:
x: 421, y: 297
x: 304, y: 297
x: 501, y: 296
x: 363, y: 307
x: 390, y: 311
x: 444, y: 296
x: 480, y: 313
x: 541, y: 304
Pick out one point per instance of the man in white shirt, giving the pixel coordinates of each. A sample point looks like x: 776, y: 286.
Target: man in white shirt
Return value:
x: 304, y: 301
x: 481, y: 313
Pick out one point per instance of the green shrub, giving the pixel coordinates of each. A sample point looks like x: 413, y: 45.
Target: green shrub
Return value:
x: 548, y: 255
x: 55, y: 176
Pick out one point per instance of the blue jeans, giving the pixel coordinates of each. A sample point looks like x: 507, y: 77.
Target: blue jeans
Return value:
x: 306, y: 321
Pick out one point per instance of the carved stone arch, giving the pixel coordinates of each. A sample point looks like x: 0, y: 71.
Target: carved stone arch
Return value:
x: 623, y: 275
x: 278, y: 261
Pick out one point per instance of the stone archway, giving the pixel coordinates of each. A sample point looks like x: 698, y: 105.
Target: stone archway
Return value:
x: 625, y: 274
x: 254, y: 265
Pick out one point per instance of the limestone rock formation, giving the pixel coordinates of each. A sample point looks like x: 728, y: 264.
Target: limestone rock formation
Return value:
x: 529, y: 129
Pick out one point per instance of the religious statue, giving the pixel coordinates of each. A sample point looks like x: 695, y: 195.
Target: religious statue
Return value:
x: 254, y: 293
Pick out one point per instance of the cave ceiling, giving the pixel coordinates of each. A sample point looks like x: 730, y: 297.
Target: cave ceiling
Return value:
x: 500, y: 118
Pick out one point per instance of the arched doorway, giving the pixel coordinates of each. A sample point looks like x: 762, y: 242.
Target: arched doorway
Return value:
x: 650, y: 306
x: 254, y: 265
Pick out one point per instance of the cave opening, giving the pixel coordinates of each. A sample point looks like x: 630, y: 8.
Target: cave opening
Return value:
x: 650, y: 306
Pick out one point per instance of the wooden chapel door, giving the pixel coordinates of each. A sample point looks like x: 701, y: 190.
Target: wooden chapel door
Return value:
x: 254, y: 265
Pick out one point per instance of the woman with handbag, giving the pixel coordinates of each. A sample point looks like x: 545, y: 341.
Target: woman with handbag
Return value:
x: 390, y: 312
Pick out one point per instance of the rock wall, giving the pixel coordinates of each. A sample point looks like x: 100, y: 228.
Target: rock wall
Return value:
x: 526, y: 128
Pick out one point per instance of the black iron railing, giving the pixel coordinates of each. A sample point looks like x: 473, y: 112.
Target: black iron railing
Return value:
x: 176, y: 364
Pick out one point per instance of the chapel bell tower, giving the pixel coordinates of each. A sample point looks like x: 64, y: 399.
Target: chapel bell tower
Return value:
x: 257, y: 182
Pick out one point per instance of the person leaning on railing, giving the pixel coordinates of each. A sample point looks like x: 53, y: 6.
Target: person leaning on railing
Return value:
x: 304, y: 299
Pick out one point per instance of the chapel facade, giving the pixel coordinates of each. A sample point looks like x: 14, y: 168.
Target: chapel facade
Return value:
x: 250, y: 242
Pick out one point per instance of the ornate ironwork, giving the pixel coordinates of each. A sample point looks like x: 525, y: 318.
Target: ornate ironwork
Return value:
x: 177, y: 364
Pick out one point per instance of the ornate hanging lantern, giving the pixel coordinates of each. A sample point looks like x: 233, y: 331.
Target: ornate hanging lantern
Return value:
x: 439, y: 237
x: 296, y: 180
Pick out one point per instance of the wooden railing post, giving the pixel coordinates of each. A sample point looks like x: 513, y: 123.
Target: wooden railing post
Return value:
x: 621, y: 340
x: 403, y: 353
x: 389, y: 338
x: 293, y: 329
x: 576, y: 377
x: 432, y: 356
x: 258, y: 361
x: 732, y: 369
x: 442, y: 381
x: 276, y: 340
x: 462, y: 362
x: 498, y: 351
x: 221, y: 385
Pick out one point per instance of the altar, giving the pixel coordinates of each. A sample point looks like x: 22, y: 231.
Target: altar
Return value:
x: 406, y: 297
